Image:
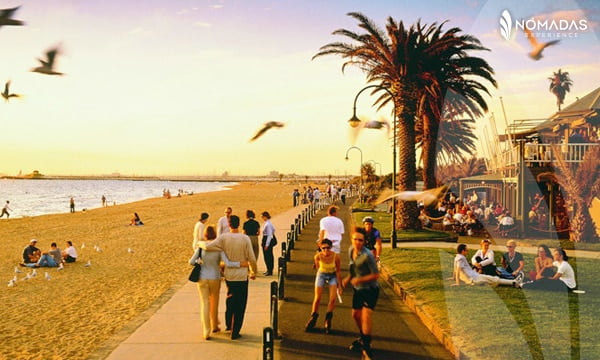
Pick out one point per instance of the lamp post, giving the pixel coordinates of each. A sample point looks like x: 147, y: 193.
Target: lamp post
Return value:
x: 360, y: 169
x: 355, y: 122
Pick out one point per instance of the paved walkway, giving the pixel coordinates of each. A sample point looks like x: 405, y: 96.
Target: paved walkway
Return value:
x: 173, y: 331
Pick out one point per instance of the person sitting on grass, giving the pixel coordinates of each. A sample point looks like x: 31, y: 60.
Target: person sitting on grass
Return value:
x: 483, y: 260
x: 543, y: 264
x: 463, y: 272
x: 512, y: 262
x: 563, y: 279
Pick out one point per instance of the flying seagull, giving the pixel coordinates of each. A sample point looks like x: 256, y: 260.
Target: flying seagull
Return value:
x: 536, y: 53
x: 427, y: 197
x: 6, y: 93
x: 377, y: 124
x: 267, y: 126
x: 6, y: 17
x: 47, y: 66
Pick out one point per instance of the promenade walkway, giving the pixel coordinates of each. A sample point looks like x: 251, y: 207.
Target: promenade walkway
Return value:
x: 171, y: 328
x: 397, y: 332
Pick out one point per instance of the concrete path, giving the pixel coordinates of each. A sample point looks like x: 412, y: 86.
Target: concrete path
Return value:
x: 397, y: 332
x: 172, y: 329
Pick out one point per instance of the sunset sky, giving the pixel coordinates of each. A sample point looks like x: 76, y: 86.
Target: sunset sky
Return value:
x: 178, y: 87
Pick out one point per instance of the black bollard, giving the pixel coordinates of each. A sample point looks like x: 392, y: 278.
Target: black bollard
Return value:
x: 282, y: 275
x: 268, y: 348
x: 284, y: 250
x: 274, y: 307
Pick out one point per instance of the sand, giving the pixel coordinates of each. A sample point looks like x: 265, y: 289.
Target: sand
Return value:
x: 80, y: 308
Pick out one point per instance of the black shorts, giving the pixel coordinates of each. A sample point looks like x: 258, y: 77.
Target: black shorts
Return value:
x: 70, y: 259
x: 365, y: 298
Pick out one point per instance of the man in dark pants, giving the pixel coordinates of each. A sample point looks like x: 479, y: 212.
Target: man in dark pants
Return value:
x: 237, y: 247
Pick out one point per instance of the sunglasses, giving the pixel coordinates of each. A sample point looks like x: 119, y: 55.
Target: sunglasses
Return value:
x: 326, y: 248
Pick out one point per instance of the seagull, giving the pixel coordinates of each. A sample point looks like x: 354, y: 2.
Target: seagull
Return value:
x: 15, y: 278
x: 427, y: 197
x: 82, y: 245
x: 47, y: 66
x: 33, y: 273
x: 6, y: 17
x: 130, y: 250
x: 11, y: 283
x: 61, y: 267
x: 18, y: 271
x: 47, y: 276
x: 267, y: 126
x: 88, y: 264
x: 6, y: 93
x: 27, y: 277
x: 372, y: 124
x: 376, y: 124
x: 98, y: 249
x: 536, y: 53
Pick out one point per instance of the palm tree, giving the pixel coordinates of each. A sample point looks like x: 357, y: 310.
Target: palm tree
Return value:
x: 581, y: 184
x: 451, y: 85
x: 393, y: 60
x: 451, y: 173
x: 560, y: 85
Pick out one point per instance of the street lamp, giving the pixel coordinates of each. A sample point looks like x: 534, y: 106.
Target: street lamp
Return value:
x: 360, y: 169
x: 355, y: 122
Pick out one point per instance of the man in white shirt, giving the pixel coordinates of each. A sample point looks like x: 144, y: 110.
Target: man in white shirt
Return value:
x: 332, y: 228
x: 223, y: 223
x: 464, y: 272
x: 199, y: 230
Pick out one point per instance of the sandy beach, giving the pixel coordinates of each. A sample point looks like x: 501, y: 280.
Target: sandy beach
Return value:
x: 75, y: 312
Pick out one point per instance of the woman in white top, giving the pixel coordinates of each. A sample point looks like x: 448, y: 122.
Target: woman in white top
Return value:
x: 483, y: 260
x: 209, y: 285
x: 267, y: 243
x: 563, y: 279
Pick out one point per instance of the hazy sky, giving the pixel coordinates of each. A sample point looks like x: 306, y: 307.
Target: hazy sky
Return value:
x: 178, y: 87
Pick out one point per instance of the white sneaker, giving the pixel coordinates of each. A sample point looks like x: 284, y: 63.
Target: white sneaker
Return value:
x: 520, y: 277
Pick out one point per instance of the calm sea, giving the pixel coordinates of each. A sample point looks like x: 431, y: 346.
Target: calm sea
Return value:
x: 39, y: 197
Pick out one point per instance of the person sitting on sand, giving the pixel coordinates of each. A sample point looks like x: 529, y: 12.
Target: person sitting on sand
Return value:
x: 135, y: 220
x: 50, y: 258
x: 70, y: 254
x: 464, y: 272
x: 31, y: 254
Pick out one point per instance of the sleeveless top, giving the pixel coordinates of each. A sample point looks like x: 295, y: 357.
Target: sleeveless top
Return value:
x: 327, y: 268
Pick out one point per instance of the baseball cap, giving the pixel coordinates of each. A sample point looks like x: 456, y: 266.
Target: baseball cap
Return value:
x: 368, y: 219
x: 33, y: 241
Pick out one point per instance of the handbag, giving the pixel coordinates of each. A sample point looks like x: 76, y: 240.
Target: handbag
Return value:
x: 195, y: 274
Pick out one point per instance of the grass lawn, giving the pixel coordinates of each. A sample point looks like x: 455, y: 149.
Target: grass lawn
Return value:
x: 383, y: 223
x: 503, y: 322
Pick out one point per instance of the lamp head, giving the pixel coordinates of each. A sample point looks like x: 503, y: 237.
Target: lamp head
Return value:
x: 354, y: 121
x: 346, y: 157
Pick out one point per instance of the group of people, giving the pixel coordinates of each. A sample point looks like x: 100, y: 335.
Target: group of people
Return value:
x: 237, y: 246
x: 363, y: 256
x: 33, y: 257
x: 552, y: 270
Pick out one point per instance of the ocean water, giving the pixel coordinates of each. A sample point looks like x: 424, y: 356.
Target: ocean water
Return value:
x: 39, y: 197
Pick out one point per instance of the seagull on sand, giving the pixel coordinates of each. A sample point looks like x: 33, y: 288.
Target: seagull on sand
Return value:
x: 130, y: 250
x: 6, y: 93
x: 11, y: 283
x: 33, y: 273
x: 27, y: 276
x: 88, y: 264
x: 6, y: 17
x: 82, y: 245
x: 47, y: 276
x: 266, y: 127
x: 427, y: 197
x: 15, y: 278
x: 47, y: 66
x: 536, y: 53
x: 17, y: 270
x: 97, y: 248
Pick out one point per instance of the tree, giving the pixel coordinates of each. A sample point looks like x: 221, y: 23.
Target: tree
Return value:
x: 560, y: 85
x: 450, y: 85
x: 394, y: 60
x: 581, y: 184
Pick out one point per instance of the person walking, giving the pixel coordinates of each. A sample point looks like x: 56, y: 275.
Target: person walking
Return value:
x: 5, y: 210
x: 363, y: 278
x: 237, y: 247
x: 252, y: 228
x: 327, y: 264
x: 72, y: 204
x: 223, y: 223
x: 332, y: 228
x: 199, y: 229
x: 268, y: 242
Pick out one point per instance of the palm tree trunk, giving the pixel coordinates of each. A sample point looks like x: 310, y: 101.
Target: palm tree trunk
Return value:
x: 429, y: 146
x: 407, y: 213
x: 583, y: 228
